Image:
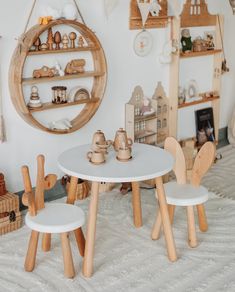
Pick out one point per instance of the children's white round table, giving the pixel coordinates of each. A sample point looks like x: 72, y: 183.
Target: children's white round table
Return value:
x: 147, y: 162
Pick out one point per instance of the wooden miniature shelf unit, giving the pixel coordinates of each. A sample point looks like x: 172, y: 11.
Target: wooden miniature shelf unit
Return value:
x: 195, y: 14
x: 151, y: 128
x: 17, y: 82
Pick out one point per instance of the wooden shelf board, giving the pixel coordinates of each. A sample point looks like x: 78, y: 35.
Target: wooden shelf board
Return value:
x: 198, y: 102
x: 144, y: 134
x: 50, y: 105
x: 145, y: 118
x: 61, y: 51
x: 198, y: 54
x: 28, y: 81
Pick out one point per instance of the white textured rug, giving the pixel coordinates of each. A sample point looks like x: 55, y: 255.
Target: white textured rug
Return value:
x: 126, y: 259
x: 221, y: 177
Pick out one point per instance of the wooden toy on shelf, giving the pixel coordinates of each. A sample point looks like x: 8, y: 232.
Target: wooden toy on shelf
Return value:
x: 57, y: 40
x: 37, y: 44
x: 45, y: 72
x: 80, y: 42
x: 50, y: 39
x: 59, y: 94
x: 78, y: 93
x: 72, y: 37
x: 44, y: 20
x: 34, y: 101
x: 44, y: 47
x: 65, y: 41
x: 75, y: 66
x: 2, y: 185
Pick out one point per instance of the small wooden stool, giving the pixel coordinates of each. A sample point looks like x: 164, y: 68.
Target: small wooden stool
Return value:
x: 50, y: 218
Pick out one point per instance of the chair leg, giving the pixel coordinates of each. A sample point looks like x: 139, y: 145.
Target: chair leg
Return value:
x: 80, y: 240
x: 192, y: 238
x: 72, y: 190
x: 46, y: 242
x: 67, y: 256
x: 32, y: 251
x: 202, y: 218
x: 157, y: 227
x: 136, y: 203
x: 171, y: 210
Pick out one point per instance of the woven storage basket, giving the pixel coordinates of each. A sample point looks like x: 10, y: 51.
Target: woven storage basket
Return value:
x: 10, y: 216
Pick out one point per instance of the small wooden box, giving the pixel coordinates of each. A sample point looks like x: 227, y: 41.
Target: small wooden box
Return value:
x: 10, y: 216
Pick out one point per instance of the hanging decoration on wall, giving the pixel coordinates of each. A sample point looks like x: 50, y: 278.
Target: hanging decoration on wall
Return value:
x: 232, y: 3
x: 170, y: 47
x: 224, y: 67
x: 144, y: 7
x: 109, y: 6
x: 2, y: 125
x: 143, y: 43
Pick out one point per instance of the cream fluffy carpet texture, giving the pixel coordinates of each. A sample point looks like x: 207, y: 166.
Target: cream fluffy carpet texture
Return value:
x: 126, y: 259
x: 221, y: 177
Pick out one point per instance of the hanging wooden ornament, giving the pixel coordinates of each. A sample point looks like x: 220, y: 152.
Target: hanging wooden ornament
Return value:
x: 143, y: 43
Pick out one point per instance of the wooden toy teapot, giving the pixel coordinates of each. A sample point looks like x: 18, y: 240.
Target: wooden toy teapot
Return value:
x: 121, y: 140
x: 99, y: 143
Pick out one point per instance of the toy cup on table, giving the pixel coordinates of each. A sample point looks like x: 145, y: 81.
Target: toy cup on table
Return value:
x: 124, y: 154
x: 121, y: 140
x: 103, y: 147
x: 96, y: 157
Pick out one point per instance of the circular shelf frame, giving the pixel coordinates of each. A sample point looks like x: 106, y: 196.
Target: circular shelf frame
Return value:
x: 22, y: 52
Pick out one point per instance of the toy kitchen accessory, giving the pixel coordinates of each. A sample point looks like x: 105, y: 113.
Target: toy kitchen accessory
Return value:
x: 99, y: 143
x: 124, y: 154
x: 121, y: 140
x: 96, y: 157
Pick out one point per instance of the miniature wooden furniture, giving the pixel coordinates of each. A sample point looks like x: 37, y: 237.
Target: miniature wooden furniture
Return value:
x: 148, y: 162
x: 181, y: 193
x: 50, y: 218
x: 97, y: 76
x: 195, y: 14
x: 152, y: 128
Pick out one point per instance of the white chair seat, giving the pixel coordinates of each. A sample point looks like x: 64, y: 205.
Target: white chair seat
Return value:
x: 56, y: 218
x: 185, y: 195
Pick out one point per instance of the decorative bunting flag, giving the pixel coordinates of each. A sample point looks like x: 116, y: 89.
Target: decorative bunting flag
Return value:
x: 109, y: 6
x: 144, y: 8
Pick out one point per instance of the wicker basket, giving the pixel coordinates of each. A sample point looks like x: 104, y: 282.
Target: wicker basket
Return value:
x: 10, y: 216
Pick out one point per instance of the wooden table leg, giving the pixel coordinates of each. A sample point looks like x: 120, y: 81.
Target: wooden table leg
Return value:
x: 72, y: 190
x: 91, y: 229
x: 32, y: 251
x: 80, y: 240
x: 157, y: 227
x: 136, y: 204
x: 46, y: 242
x: 170, y: 243
x: 202, y: 218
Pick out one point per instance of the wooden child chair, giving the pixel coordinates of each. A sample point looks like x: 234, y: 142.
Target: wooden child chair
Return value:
x: 181, y: 193
x: 50, y: 218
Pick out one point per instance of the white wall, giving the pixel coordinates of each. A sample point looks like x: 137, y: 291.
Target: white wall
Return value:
x: 125, y: 70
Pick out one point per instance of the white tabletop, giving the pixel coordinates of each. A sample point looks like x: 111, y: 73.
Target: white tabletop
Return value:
x: 147, y: 162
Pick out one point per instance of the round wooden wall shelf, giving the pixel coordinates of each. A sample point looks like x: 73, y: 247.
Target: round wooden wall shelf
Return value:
x: 17, y: 81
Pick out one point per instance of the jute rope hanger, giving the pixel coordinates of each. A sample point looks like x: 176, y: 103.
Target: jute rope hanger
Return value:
x: 32, y: 9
